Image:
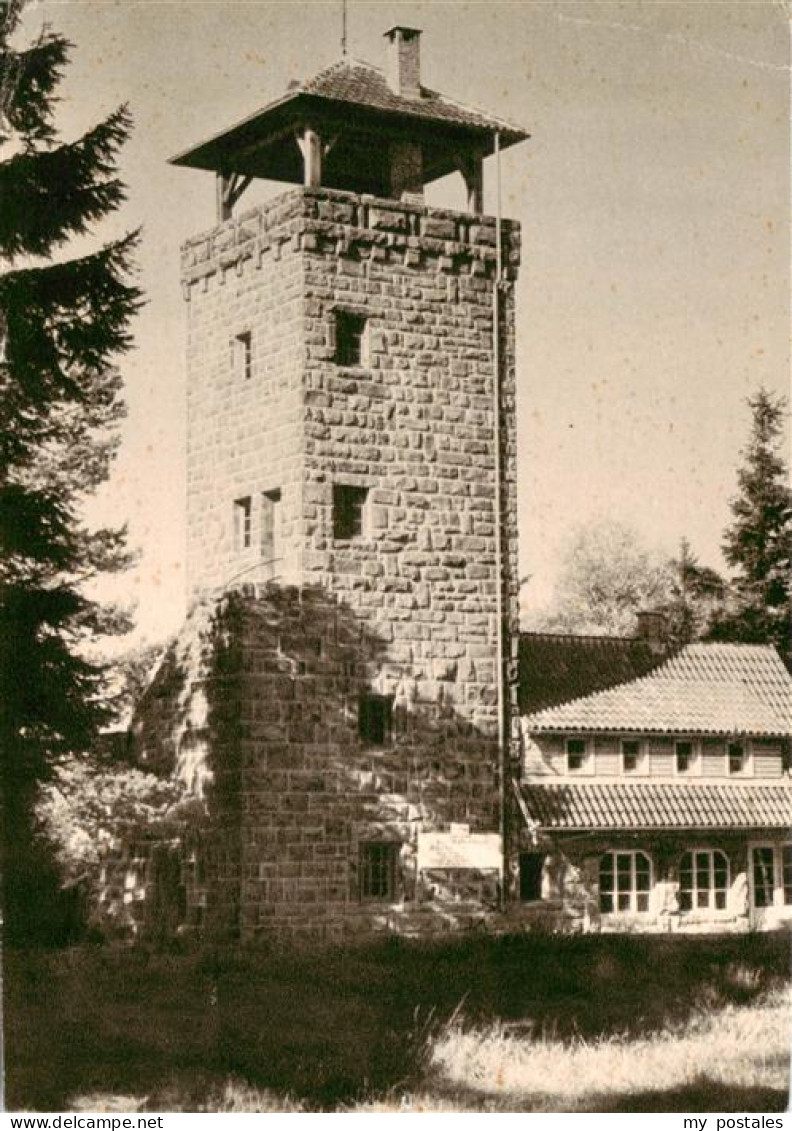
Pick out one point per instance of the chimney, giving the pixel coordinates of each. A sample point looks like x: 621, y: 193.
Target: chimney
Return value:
x: 404, y: 61
x: 652, y: 627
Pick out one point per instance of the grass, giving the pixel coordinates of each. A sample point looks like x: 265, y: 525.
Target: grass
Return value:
x: 469, y: 1025
x: 745, y: 1047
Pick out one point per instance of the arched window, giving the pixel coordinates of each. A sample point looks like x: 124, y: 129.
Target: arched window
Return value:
x: 703, y: 880
x: 625, y: 881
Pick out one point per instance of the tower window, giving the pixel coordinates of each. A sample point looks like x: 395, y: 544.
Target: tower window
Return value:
x: 348, y: 511
x: 270, y: 525
x: 242, y: 354
x: 377, y: 865
x: 243, y: 513
x: 350, y: 332
x: 375, y: 718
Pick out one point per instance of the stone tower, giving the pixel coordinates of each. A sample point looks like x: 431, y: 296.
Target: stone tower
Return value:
x: 352, y: 509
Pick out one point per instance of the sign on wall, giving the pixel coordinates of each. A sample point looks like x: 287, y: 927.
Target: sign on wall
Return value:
x: 460, y: 848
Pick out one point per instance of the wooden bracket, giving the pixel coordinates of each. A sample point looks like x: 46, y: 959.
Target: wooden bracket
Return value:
x: 471, y: 166
x: 229, y: 190
x: 310, y: 144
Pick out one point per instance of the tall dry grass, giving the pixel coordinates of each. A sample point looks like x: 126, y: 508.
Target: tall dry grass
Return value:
x: 742, y: 1047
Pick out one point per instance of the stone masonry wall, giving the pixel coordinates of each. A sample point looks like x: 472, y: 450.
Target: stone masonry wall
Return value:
x: 255, y: 710
x: 244, y: 434
x: 413, y: 596
x: 413, y: 424
x: 314, y: 790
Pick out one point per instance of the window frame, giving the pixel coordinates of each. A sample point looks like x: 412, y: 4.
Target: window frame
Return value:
x: 541, y: 859
x: 586, y: 766
x: 641, y: 757
x: 350, y: 328
x: 242, y: 524
x: 270, y: 502
x: 634, y: 893
x: 367, y: 700
x: 694, y: 764
x: 711, y: 890
x: 781, y: 897
x: 242, y: 354
x: 387, y: 868
x: 359, y: 497
x: 746, y: 768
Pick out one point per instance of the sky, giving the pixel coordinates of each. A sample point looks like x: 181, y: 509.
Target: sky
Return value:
x: 653, y: 196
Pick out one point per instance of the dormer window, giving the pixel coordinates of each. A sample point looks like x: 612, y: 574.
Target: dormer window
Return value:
x: 737, y: 758
x: 576, y: 755
x: 683, y: 756
x: 350, y: 338
x: 631, y: 756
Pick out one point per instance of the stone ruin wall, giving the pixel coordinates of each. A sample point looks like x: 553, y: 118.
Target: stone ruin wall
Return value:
x: 261, y: 725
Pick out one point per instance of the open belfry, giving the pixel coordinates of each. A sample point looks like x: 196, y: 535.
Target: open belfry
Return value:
x: 341, y: 699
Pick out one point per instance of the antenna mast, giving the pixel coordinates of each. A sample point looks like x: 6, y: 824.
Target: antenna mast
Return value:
x: 343, y: 27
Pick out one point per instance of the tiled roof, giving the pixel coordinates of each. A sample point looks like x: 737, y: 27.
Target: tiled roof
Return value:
x: 555, y: 668
x: 357, y: 95
x: 645, y: 806
x: 706, y: 688
x: 357, y: 82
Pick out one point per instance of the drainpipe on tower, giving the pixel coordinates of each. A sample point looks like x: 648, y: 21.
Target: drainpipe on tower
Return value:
x: 503, y: 743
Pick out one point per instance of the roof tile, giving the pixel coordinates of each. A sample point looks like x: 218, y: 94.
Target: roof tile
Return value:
x: 556, y: 667
x: 647, y: 806
x: 706, y: 688
x: 357, y: 82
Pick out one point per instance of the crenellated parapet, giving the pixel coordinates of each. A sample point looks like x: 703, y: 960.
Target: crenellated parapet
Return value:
x: 363, y: 229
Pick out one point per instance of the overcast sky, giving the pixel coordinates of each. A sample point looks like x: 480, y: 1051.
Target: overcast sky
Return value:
x: 653, y: 195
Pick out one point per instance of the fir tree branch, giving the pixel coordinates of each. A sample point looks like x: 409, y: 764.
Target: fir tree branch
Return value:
x: 48, y: 197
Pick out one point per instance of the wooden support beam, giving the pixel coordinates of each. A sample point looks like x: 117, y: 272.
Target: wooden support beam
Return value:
x: 237, y: 187
x: 471, y: 166
x: 310, y: 144
x: 229, y: 190
x: 223, y: 207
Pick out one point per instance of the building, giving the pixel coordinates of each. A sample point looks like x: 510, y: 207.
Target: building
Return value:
x: 341, y: 702
x: 341, y: 706
x: 657, y: 798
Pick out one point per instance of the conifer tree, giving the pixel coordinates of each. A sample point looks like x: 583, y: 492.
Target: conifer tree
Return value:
x: 63, y: 319
x: 696, y: 597
x: 758, y: 544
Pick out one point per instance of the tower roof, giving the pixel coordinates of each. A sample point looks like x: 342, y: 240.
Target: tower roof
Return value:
x: 354, y: 104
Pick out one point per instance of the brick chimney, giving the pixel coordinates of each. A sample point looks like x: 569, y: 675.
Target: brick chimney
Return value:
x: 652, y: 626
x: 404, y: 61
